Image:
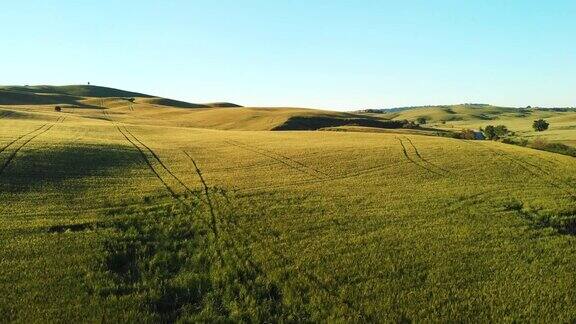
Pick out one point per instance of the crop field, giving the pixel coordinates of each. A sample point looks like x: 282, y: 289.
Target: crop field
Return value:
x: 562, y: 122
x: 113, y: 211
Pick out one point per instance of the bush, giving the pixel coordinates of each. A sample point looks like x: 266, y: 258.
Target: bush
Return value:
x: 410, y: 124
x: 543, y: 145
x: 501, y: 130
x: 539, y: 144
x: 58, y: 108
x: 489, y: 132
x: 468, y: 134
x: 540, y: 125
x: 421, y: 120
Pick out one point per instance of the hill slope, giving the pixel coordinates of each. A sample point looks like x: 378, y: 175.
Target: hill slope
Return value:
x: 166, y: 112
x: 519, y: 120
x: 79, y: 95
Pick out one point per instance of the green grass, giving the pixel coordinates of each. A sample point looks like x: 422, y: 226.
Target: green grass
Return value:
x: 134, y: 214
x: 457, y: 117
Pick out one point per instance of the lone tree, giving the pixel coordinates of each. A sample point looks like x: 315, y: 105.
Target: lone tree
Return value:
x: 421, y: 120
x: 58, y: 108
x: 540, y: 125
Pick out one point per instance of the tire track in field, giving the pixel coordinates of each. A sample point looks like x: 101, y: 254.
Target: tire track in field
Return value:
x: 255, y: 165
x: 545, y: 176
x: 213, y: 223
x: 20, y: 137
x: 6, y: 113
x: 358, y: 173
x: 143, y: 155
x: 147, y: 161
x: 143, y: 149
x: 302, y: 168
x: 312, y: 279
x: 39, y: 131
x: 353, y: 174
x: 405, y: 152
x: 257, y: 236
x: 163, y: 165
x: 540, y: 173
x: 235, y: 235
x: 432, y: 165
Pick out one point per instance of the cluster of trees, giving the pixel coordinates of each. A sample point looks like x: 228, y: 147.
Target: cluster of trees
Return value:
x: 501, y: 131
x: 495, y: 132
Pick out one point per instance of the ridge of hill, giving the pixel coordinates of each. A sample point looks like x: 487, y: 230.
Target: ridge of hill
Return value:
x: 446, y: 113
x: 75, y: 90
x: 461, y: 112
x: 86, y: 96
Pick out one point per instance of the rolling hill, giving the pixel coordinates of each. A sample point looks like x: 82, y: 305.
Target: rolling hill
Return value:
x: 87, y: 95
x: 218, y: 115
x: 125, y: 211
x: 474, y: 116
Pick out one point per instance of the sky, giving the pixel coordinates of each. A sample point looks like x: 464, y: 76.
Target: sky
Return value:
x: 340, y: 55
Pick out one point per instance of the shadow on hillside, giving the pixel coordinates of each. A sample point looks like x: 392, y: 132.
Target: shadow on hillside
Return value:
x: 172, y: 103
x: 75, y: 91
x: 63, y: 168
x: 12, y: 98
x: 315, y: 123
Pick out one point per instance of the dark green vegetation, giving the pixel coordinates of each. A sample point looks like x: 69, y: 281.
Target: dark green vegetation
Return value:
x: 495, y: 132
x: 129, y: 212
x: 540, y: 125
x: 318, y: 122
x: 544, y: 145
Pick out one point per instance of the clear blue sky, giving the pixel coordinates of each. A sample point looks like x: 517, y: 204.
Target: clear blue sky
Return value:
x: 331, y: 54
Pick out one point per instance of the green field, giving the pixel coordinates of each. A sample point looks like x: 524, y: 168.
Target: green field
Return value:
x: 474, y: 116
x: 154, y: 210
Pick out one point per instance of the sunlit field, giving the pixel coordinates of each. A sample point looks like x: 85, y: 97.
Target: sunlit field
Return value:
x: 127, y: 211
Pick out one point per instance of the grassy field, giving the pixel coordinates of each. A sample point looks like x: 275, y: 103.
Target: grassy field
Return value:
x: 457, y: 117
x: 120, y: 211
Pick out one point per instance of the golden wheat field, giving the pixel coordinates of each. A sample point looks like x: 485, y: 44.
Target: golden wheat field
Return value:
x: 138, y: 211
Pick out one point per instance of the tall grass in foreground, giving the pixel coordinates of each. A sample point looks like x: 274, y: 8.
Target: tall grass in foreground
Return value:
x: 180, y: 267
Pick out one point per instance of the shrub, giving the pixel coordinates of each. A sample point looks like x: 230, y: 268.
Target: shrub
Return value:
x: 501, y: 130
x: 421, y: 120
x: 410, y: 124
x: 58, y: 108
x: 468, y: 134
x: 540, y: 125
x: 489, y: 132
x: 539, y: 144
x: 543, y: 145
